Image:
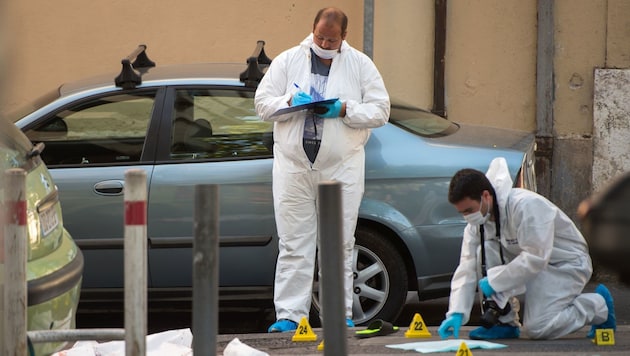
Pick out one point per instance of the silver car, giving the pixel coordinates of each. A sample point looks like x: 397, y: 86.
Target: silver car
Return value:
x: 194, y: 124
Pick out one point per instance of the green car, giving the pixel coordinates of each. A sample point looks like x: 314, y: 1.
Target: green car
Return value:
x: 55, y: 263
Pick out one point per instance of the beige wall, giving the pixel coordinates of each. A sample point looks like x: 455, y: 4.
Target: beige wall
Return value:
x: 58, y: 41
x: 491, y: 53
x: 618, y: 34
x: 580, y: 47
x: 491, y: 62
x: 403, y: 49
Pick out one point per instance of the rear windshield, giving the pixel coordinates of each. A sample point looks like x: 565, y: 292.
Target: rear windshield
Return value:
x: 33, y: 105
x: 14, y: 146
x: 420, y: 122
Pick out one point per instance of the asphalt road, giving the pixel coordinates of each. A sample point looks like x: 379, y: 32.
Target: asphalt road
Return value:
x: 254, y: 317
x: 248, y: 322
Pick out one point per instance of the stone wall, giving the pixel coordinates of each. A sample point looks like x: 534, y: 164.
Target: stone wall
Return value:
x: 611, y: 125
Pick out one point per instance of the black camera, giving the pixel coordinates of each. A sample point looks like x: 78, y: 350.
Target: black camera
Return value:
x: 492, y: 312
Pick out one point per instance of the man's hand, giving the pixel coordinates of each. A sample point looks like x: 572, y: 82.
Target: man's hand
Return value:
x: 332, y: 110
x: 300, y: 98
x: 453, y: 322
x: 485, y: 287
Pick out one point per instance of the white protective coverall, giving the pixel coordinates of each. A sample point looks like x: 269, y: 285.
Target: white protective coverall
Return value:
x: 354, y: 79
x: 545, y: 256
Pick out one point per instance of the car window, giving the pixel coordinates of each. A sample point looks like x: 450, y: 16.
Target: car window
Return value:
x: 103, y: 130
x: 213, y: 123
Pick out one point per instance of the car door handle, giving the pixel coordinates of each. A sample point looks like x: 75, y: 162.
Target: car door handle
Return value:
x: 109, y: 187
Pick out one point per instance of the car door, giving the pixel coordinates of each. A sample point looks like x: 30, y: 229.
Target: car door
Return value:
x: 89, y: 145
x: 213, y: 136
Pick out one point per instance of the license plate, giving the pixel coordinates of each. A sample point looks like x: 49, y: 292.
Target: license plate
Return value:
x: 48, y: 220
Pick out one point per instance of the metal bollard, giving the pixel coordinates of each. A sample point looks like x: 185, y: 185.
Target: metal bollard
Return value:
x: 135, y: 262
x: 206, y: 270
x: 15, y: 257
x: 331, y: 255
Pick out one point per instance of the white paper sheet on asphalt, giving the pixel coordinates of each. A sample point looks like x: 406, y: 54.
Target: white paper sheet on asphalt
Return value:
x: 453, y: 345
x: 166, y: 343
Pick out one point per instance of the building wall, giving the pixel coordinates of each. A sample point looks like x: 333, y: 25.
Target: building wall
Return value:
x: 491, y: 63
x: 589, y: 34
x: 59, y: 41
x: 403, y: 48
x: 491, y: 54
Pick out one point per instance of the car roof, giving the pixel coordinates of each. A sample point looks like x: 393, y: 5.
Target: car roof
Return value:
x: 186, y: 73
x: 139, y: 71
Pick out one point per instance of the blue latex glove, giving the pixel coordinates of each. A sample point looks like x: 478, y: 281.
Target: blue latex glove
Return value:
x: 300, y: 98
x: 452, y: 322
x: 332, y: 111
x: 485, y: 287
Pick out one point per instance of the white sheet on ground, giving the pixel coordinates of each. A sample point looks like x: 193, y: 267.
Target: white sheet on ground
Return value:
x: 166, y: 343
x: 237, y: 348
x: 451, y: 345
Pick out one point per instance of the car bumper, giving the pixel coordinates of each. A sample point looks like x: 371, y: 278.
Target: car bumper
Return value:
x: 53, y: 298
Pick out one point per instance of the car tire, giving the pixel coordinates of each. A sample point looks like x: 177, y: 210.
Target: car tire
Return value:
x: 380, y: 280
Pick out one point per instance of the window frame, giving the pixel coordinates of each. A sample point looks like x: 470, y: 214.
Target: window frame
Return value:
x: 148, y: 151
x: 163, y: 152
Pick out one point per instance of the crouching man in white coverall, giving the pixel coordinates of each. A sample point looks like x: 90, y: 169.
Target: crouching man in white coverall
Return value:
x: 532, y: 248
x: 310, y: 148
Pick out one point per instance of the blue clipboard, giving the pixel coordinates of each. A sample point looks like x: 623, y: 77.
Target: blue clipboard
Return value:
x: 310, y: 106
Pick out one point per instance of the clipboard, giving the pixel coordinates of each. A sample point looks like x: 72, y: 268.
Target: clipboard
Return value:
x: 309, y: 106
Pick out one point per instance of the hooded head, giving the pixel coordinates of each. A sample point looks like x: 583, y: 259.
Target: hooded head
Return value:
x: 472, y: 191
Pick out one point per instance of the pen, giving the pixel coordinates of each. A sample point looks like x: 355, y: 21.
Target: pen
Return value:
x: 297, y: 86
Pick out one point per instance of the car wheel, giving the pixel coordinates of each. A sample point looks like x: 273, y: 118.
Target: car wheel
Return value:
x: 380, y: 280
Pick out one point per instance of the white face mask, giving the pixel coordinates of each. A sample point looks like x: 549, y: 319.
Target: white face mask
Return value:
x: 324, y: 53
x: 476, y: 218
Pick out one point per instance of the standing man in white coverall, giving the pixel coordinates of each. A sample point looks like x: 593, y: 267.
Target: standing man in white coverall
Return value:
x: 531, y: 248
x: 310, y: 148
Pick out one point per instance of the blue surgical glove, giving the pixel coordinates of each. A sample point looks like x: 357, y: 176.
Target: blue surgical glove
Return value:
x: 452, y: 322
x: 300, y: 98
x: 332, y: 110
x: 485, y: 287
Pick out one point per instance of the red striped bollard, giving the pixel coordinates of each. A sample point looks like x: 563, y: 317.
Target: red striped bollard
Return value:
x: 135, y: 262
x: 15, y: 257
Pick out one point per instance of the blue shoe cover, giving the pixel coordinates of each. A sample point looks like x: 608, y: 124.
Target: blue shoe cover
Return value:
x: 611, y: 322
x: 349, y: 323
x: 500, y: 331
x: 282, y: 326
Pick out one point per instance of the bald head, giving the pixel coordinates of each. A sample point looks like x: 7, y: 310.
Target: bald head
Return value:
x: 331, y: 16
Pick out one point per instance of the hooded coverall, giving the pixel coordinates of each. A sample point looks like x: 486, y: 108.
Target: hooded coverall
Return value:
x: 354, y: 79
x: 545, y: 257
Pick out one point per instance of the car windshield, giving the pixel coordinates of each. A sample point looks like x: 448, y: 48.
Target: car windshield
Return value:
x: 420, y: 122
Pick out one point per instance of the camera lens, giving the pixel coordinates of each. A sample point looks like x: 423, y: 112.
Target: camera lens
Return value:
x: 492, y: 312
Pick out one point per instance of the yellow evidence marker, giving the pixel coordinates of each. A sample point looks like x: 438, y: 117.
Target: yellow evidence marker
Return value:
x: 304, y: 331
x: 604, y: 337
x: 463, y: 350
x: 417, y: 328
x: 320, y: 347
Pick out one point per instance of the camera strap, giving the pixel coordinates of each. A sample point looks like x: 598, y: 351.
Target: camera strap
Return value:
x: 482, y: 234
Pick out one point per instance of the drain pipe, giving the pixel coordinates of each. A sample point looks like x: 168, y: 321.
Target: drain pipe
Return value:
x: 544, y: 97
x: 368, y: 28
x: 439, y: 58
